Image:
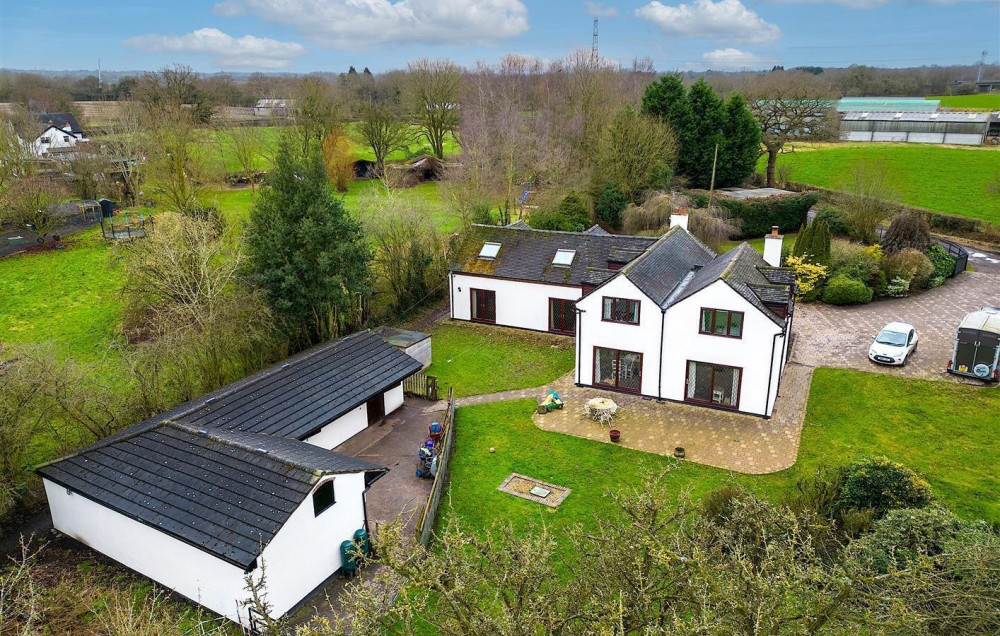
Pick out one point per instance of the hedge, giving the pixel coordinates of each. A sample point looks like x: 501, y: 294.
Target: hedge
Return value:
x: 842, y: 290
x: 756, y: 217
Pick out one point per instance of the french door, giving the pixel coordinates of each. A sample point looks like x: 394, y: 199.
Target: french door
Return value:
x: 562, y: 316
x: 484, y: 305
x: 713, y: 384
x: 619, y: 370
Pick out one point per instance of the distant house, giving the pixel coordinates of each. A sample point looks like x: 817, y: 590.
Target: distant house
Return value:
x: 661, y: 317
x: 280, y: 107
x: 219, y: 488
x: 61, y: 131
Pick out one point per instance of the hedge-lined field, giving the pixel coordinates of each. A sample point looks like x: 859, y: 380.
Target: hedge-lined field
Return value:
x: 962, y: 181
x: 975, y: 102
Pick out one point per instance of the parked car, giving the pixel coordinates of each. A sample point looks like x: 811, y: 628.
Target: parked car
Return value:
x: 894, y: 344
x: 977, y: 346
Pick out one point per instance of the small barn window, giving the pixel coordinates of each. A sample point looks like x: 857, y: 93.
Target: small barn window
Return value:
x: 564, y: 257
x: 490, y: 250
x: 323, y: 497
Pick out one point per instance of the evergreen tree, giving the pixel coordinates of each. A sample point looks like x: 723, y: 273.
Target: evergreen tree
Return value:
x: 709, y: 114
x: 306, y: 253
x: 803, y: 241
x: 610, y: 204
x: 741, y: 146
x: 820, y: 248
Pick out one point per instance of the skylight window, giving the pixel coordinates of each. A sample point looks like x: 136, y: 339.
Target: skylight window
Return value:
x: 564, y: 257
x: 490, y: 250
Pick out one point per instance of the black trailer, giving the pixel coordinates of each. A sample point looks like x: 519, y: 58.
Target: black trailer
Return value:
x: 977, y: 346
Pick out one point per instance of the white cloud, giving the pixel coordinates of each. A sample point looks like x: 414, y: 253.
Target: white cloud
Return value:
x: 726, y: 20
x: 598, y: 10
x: 248, y: 51
x: 358, y: 23
x: 730, y: 59
x: 874, y: 4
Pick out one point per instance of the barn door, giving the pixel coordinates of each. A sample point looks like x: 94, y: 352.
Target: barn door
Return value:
x: 376, y: 409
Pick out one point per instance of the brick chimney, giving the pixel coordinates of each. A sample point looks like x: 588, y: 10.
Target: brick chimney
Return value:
x: 772, y: 247
x: 679, y: 217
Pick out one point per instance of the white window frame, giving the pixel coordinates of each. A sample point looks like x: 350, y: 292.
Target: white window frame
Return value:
x: 564, y: 262
x: 490, y: 250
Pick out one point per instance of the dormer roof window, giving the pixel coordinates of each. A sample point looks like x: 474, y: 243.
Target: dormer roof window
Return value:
x: 490, y: 250
x: 564, y: 258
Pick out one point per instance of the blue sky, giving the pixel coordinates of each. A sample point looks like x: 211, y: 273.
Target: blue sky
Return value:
x: 330, y: 35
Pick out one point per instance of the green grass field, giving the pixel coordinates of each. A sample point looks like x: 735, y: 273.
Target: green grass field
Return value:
x: 476, y: 359
x: 946, y: 431
x: 944, y: 179
x: 970, y: 102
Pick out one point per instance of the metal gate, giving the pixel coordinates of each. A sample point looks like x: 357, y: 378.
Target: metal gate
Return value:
x: 959, y: 253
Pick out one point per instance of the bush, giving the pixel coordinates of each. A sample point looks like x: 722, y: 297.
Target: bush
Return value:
x: 911, y: 265
x: 841, y: 290
x: 907, y: 230
x: 610, y: 204
x: 897, y: 288
x: 808, y: 277
x: 829, y: 215
x: 857, y: 261
x: 571, y: 215
x: 881, y: 484
x: 944, y: 263
x: 903, y: 535
x: 699, y: 200
x: 788, y: 212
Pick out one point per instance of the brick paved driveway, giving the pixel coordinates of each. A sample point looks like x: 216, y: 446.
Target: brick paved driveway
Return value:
x: 831, y: 336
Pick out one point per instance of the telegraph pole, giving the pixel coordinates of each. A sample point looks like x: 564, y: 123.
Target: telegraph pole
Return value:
x: 593, y: 47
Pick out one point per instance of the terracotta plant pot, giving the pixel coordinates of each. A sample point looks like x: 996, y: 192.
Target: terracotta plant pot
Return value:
x: 615, y: 435
x: 679, y: 452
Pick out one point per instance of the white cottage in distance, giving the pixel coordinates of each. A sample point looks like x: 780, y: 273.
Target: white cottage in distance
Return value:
x: 61, y: 131
x: 663, y: 317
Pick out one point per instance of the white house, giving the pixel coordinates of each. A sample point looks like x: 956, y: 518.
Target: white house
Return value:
x: 61, y: 131
x: 673, y: 321
x: 203, y: 495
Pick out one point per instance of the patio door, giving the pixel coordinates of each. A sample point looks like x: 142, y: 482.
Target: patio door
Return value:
x: 713, y: 384
x: 619, y: 370
x: 562, y: 316
x: 484, y: 305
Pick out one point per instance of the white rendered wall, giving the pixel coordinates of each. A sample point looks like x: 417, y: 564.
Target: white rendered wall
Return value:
x: 519, y: 303
x: 752, y: 352
x: 393, y: 398
x: 306, y: 551
x: 56, y: 140
x: 191, y: 572
x: 643, y: 338
x: 343, y: 428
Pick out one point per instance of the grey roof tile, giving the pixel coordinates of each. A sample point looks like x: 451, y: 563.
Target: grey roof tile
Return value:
x: 666, y: 264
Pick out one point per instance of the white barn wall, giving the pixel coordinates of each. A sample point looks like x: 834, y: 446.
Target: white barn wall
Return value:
x: 643, y: 338
x: 519, y: 303
x: 393, y: 398
x: 189, y: 571
x: 752, y: 352
x: 306, y: 551
x: 341, y: 429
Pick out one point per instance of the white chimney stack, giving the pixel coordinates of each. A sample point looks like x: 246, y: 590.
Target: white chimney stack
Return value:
x: 772, y: 247
x: 679, y: 218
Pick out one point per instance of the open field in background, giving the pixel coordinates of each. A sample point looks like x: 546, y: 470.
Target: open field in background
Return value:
x: 970, y: 102
x: 945, y: 179
x: 940, y: 429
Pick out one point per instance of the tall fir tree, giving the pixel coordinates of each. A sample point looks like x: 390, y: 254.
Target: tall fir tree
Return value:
x: 741, y: 146
x: 706, y: 132
x: 306, y: 253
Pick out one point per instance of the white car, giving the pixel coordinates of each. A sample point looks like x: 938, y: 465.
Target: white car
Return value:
x: 893, y: 344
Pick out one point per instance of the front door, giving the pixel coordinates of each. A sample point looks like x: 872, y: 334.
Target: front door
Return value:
x: 619, y: 370
x: 376, y: 409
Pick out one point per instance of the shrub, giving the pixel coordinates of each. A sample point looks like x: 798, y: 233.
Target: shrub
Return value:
x: 813, y: 243
x: 903, y: 535
x: 841, y: 290
x: 882, y: 485
x: 907, y: 230
x: 944, y: 263
x: 653, y: 214
x: 610, y: 204
x: 699, y: 200
x: 897, y: 288
x: 910, y: 264
x: 808, y: 276
x: 571, y: 215
x: 863, y: 263
x: 788, y: 212
x: 829, y: 215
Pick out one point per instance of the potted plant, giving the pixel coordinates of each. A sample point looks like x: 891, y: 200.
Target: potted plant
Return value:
x: 615, y: 435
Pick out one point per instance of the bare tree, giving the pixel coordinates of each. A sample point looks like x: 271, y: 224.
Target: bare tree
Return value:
x: 14, y: 160
x: 637, y: 152
x: 316, y: 110
x: 384, y: 130
x: 30, y: 203
x: 175, y: 166
x: 433, y: 89
x: 247, y: 145
x: 866, y: 201
x: 790, y: 106
x: 126, y: 145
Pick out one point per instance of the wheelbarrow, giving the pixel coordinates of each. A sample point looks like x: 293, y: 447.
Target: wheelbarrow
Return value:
x: 551, y: 401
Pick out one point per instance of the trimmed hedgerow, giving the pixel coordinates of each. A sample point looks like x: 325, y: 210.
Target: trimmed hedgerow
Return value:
x: 788, y: 212
x: 842, y: 290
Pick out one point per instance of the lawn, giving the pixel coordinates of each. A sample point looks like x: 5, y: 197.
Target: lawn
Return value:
x: 757, y: 243
x: 945, y: 179
x: 946, y: 431
x: 476, y: 359
x: 970, y: 102
x: 69, y: 298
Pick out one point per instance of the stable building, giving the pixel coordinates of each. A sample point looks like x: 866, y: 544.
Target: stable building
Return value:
x: 215, y: 490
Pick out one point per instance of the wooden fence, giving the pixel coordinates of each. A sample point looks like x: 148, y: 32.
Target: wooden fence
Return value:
x: 428, y: 518
x: 421, y: 385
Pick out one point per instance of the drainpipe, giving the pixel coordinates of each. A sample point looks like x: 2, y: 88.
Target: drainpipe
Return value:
x: 663, y: 336
x: 579, y: 345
